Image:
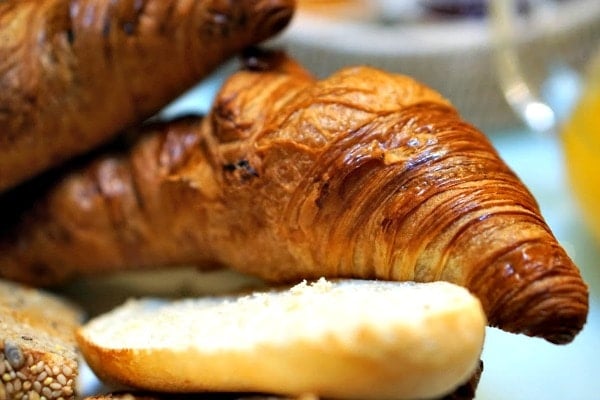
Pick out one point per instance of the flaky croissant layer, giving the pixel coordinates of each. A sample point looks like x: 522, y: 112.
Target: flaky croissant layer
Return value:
x: 363, y: 174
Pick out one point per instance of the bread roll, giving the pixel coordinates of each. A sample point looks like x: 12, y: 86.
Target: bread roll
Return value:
x: 38, y: 354
x: 343, y: 339
x: 123, y: 395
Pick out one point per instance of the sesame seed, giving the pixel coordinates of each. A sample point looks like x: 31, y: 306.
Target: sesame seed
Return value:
x: 17, y: 384
x: 47, y: 392
x: 39, y: 367
x: 13, y: 374
x: 55, y: 386
x: 61, y: 379
x: 47, y: 381
x: 25, y: 397
x: 29, y: 359
x: 6, y: 377
x: 26, y: 385
x: 43, y: 398
x: 33, y: 395
x: 21, y: 376
x: 48, y: 369
x: 67, y: 371
x: 9, y: 387
x: 43, y: 375
x: 55, y: 370
x: 37, y: 386
x: 67, y: 390
x: 56, y: 393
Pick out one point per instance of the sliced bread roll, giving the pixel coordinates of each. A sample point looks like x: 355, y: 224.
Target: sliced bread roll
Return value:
x: 464, y: 392
x: 342, y: 339
x: 38, y: 354
x: 195, y: 396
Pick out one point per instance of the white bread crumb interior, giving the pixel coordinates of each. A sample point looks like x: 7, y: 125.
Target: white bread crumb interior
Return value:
x: 344, y: 339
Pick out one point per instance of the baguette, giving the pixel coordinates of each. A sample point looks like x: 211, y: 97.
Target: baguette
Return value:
x: 38, y: 352
x: 343, y: 339
x: 73, y: 73
x: 364, y: 174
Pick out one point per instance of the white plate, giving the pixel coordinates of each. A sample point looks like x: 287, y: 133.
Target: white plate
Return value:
x: 453, y: 55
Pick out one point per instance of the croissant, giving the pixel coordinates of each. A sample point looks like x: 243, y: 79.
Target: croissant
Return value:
x: 73, y: 73
x: 361, y: 175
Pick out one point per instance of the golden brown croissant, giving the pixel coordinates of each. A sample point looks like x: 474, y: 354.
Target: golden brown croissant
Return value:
x: 363, y: 174
x: 73, y: 73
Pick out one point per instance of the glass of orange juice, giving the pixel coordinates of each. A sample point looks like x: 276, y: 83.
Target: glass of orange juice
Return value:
x: 571, y: 68
x: 581, y: 139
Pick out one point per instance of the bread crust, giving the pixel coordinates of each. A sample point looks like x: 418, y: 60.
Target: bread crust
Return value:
x: 465, y: 392
x: 74, y: 73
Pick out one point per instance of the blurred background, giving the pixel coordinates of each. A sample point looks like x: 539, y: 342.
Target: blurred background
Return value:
x: 447, y: 44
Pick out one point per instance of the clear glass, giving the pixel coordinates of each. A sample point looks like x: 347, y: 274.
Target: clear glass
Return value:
x: 559, y: 93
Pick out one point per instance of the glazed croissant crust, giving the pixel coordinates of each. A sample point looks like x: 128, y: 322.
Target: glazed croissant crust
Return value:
x: 363, y: 174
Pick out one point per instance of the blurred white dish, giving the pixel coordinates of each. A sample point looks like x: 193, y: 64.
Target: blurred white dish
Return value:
x: 453, y: 55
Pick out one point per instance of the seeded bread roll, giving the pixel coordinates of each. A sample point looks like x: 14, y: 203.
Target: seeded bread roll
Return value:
x: 342, y: 339
x: 38, y: 356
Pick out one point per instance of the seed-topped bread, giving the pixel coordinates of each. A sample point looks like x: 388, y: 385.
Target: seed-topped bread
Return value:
x: 38, y: 356
x: 341, y: 339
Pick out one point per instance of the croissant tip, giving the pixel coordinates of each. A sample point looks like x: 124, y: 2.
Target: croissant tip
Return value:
x: 565, y: 330
x: 558, y: 327
x: 559, y: 331
x: 543, y: 295
x: 560, y: 339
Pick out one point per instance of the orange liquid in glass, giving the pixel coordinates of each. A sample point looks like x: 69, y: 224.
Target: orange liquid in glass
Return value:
x: 581, y: 139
